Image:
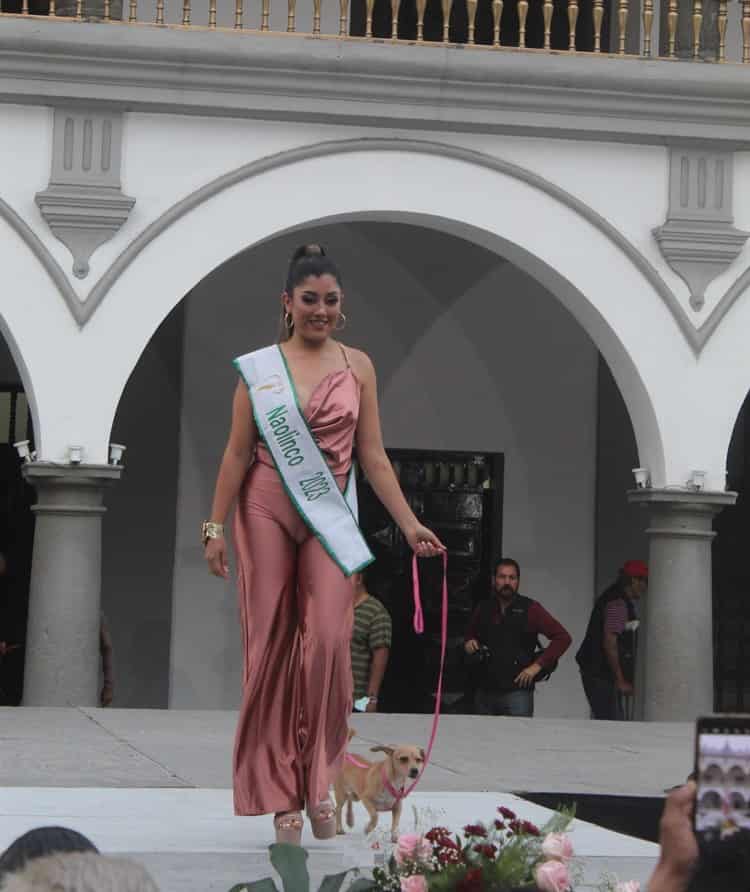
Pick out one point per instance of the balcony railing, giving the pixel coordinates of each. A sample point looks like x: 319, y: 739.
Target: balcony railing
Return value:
x: 699, y: 30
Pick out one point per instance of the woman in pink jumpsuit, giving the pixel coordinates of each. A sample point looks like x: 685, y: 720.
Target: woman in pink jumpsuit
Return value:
x: 296, y: 605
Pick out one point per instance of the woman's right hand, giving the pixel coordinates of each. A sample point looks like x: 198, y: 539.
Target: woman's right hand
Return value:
x: 216, y: 555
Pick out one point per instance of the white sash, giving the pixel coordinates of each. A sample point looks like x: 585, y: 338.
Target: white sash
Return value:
x: 331, y: 515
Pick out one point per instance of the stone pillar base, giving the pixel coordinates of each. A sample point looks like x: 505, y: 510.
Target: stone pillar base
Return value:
x: 678, y: 623
x: 62, y: 640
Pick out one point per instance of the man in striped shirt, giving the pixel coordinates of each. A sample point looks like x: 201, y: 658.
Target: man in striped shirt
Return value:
x: 607, y: 655
x: 370, y: 645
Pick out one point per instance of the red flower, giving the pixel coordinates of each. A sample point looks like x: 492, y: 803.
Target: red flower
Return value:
x: 475, y: 830
x: 507, y: 813
x: 450, y: 856
x: 515, y: 826
x: 437, y: 835
x: 486, y: 849
x: 447, y: 843
x: 499, y: 825
x: 529, y: 829
x: 472, y: 882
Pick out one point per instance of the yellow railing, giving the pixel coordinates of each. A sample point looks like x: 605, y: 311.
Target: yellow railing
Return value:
x: 562, y: 26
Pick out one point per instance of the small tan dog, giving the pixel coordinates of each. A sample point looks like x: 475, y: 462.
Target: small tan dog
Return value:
x: 379, y: 786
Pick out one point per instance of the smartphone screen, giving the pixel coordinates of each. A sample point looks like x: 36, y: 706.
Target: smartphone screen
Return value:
x: 722, y: 767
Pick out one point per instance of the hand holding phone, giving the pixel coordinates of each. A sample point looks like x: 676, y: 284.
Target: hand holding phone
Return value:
x: 722, y: 770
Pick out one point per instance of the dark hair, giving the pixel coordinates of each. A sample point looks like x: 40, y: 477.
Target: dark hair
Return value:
x: 310, y: 260
x: 307, y: 260
x: 508, y: 562
x: 40, y: 842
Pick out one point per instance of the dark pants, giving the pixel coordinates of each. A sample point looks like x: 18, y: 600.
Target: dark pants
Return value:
x: 602, y: 696
x: 515, y: 703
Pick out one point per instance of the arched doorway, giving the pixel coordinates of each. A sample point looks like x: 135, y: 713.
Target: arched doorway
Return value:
x: 473, y: 356
x: 731, y: 576
x: 16, y: 527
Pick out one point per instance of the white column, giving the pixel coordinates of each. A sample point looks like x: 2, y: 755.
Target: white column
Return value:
x: 679, y: 663
x: 62, y: 639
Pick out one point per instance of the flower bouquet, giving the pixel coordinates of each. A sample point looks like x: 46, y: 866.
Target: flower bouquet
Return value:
x: 509, y: 853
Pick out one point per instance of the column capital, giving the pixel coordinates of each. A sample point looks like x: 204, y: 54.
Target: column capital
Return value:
x: 78, y: 475
x: 682, y: 513
x: 70, y: 489
x: 688, y: 500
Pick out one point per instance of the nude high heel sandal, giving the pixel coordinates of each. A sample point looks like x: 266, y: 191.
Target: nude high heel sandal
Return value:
x: 288, y: 826
x: 323, y: 819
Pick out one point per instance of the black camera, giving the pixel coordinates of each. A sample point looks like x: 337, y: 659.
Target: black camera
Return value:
x: 479, y: 656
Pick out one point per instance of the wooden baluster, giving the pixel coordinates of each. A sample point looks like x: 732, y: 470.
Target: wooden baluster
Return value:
x: 622, y: 25
x: 523, y: 11
x: 722, y: 26
x: 212, y: 14
x: 672, y: 15
x: 446, y: 4
x: 265, y: 13
x: 79, y: 9
x: 697, y: 25
x: 343, y: 18
x: 369, y: 6
x: 316, y: 18
x: 471, y: 11
x: 291, y: 15
x: 497, y: 14
x: 421, y: 6
x: 159, y: 12
x: 572, y: 23
x: 107, y: 10
x: 598, y: 15
x: 52, y: 8
x: 186, y: 11
x: 648, y: 25
x: 394, y: 18
x: 25, y: 7
x: 547, y: 8
x: 238, y: 14
x: 746, y: 31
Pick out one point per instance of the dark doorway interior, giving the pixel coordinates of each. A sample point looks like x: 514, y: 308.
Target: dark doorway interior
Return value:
x: 731, y: 573
x: 459, y: 496
x: 16, y: 540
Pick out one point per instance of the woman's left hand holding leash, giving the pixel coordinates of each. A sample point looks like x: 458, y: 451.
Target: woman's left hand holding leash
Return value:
x: 424, y: 542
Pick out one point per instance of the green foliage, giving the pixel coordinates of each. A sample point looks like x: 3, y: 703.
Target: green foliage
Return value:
x: 291, y: 864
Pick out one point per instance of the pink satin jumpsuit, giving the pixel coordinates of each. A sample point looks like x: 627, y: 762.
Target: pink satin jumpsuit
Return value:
x: 296, y: 612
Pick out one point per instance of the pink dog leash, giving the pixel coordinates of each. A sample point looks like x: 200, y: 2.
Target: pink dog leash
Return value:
x: 419, y: 629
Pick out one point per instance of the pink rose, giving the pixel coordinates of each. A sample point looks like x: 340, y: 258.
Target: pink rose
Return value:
x: 557, y: 846
x: 552, y: 876
x: 412, y: 847
x: 415, y: 883
x: 629, y: 886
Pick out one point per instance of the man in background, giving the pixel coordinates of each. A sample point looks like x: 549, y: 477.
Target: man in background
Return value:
x: 503, y: 635
x: 607, y: 655
x: 370, y: 646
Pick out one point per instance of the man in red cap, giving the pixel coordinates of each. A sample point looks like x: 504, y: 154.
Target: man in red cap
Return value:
x: 607, y: 655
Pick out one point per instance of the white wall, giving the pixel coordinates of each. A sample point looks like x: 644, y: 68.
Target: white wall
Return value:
x: 471, y: 353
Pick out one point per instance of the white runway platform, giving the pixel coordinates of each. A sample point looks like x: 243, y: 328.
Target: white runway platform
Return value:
x: 156, y: 785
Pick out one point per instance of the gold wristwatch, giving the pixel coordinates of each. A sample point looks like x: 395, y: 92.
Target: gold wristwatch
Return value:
x: 211, y: 530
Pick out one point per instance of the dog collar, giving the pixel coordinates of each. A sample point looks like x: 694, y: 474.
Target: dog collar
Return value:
x: 397, y: 794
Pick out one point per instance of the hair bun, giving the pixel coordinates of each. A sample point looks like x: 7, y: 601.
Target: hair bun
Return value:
x: 312, y: 250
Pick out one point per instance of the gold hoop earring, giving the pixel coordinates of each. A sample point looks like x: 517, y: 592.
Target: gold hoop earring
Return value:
x: 288, y: 321
x: 337, y: 327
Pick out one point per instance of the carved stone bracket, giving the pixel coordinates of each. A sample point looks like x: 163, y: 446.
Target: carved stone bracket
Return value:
x: 84, y: 205
x: 698, y: 239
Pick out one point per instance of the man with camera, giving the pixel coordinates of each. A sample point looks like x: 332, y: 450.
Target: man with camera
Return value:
x: 502, y: 642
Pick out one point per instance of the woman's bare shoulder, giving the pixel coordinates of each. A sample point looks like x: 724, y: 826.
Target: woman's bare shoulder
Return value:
x: 360, y: 362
